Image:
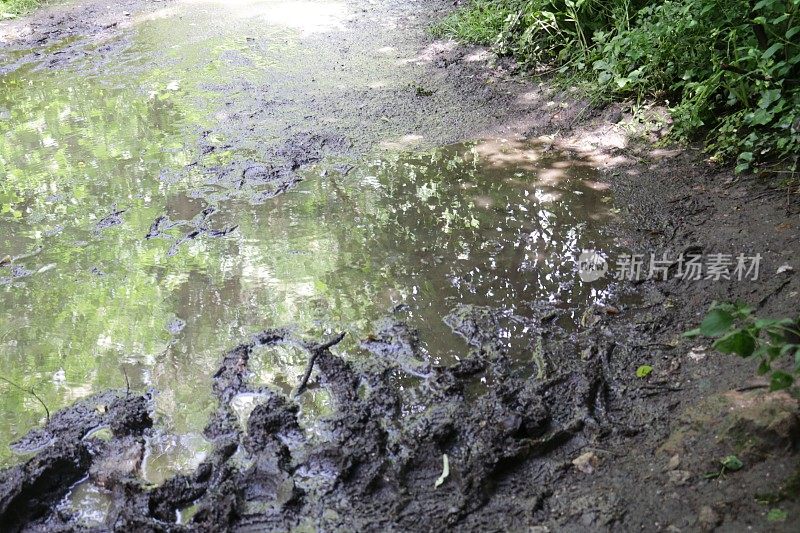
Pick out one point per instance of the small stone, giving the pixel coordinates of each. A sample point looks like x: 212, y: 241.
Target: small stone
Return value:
x: 674, y: 462
x: 707, y: 518
x: 586, y: 462
x: 698, y: 353
x: 679, y: 477
x: 784, y: 268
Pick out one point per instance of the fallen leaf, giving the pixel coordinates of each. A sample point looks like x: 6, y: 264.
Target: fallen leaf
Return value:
x: 445, y: 471
x: 644, y: 371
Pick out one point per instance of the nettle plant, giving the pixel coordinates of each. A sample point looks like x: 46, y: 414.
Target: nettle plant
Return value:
x: 738, y: 331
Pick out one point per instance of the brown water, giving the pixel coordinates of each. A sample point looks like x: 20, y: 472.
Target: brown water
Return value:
x: 91, y: 158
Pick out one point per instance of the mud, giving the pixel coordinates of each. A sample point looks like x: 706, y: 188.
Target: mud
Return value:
x: 377, y: 463
x: 571, y: 441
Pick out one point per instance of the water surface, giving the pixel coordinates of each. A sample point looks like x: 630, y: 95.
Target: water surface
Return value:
x: 90, y: 157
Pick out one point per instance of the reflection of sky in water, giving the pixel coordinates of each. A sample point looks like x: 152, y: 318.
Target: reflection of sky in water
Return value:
x: 88, y: 302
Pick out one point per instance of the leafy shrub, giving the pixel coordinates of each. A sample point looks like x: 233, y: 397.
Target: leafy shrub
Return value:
x: 16, y: 7
x: 738, y: 331
x: 729, y: 68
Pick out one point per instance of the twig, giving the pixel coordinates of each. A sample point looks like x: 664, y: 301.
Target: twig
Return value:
x: 127, y: 383
x: 752, y: 387
x: 32, y: 393
x: 775, y: 291
x: 316, y: 351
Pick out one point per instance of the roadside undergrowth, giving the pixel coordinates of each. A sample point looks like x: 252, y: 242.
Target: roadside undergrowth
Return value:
x: 729, y: 70
x: 772, y: 342
x: 12, y: 8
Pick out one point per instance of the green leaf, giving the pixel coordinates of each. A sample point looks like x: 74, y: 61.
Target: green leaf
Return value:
x: 777, y: 515
x: 771, y: 50
x: 740, y: 342
x: 780, y: 380
x: 791, y: 32
x: 716, y: 323
x: 768, y: 98
x: 732, y: 463
x: 692, y: 333
x: 644, y: 371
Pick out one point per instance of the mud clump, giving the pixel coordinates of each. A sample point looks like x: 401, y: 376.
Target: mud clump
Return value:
x: 375, y: 463
x: 30, y: 491
x: 256, y: 181
x: 197, y: 226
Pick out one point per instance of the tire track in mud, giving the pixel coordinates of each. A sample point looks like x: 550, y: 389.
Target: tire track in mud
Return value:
x: 375, y: 468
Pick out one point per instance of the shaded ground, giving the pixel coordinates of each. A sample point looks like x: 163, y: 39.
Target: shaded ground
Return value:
x: 585, y: 446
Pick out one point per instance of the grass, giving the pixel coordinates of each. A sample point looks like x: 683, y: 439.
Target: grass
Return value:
x: 10, y: 8
x: 481, y: 23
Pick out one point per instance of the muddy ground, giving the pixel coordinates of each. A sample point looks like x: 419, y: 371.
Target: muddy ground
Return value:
x: 587, y: 446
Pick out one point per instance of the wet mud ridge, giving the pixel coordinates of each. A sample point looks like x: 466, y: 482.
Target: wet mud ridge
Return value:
x: 377, y: 462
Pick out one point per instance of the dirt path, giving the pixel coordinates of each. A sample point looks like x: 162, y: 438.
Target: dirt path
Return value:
x: 588, y: 446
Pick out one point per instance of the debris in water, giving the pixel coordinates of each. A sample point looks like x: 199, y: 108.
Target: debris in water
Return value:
x: 445, y: 471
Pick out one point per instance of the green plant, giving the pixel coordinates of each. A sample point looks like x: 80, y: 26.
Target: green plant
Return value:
x: 10, y: 8
x: 729, y: 69
x: 738, y: 331
x: 777, y: 515
x: 480, y: 22
x: 730, y: 463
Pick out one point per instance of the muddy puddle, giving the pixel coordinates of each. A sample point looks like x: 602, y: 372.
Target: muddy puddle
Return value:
x: 141, y: 238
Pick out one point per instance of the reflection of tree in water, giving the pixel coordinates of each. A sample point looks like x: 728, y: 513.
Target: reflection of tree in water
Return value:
x: 449, y: 227
x: 72, y: 147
